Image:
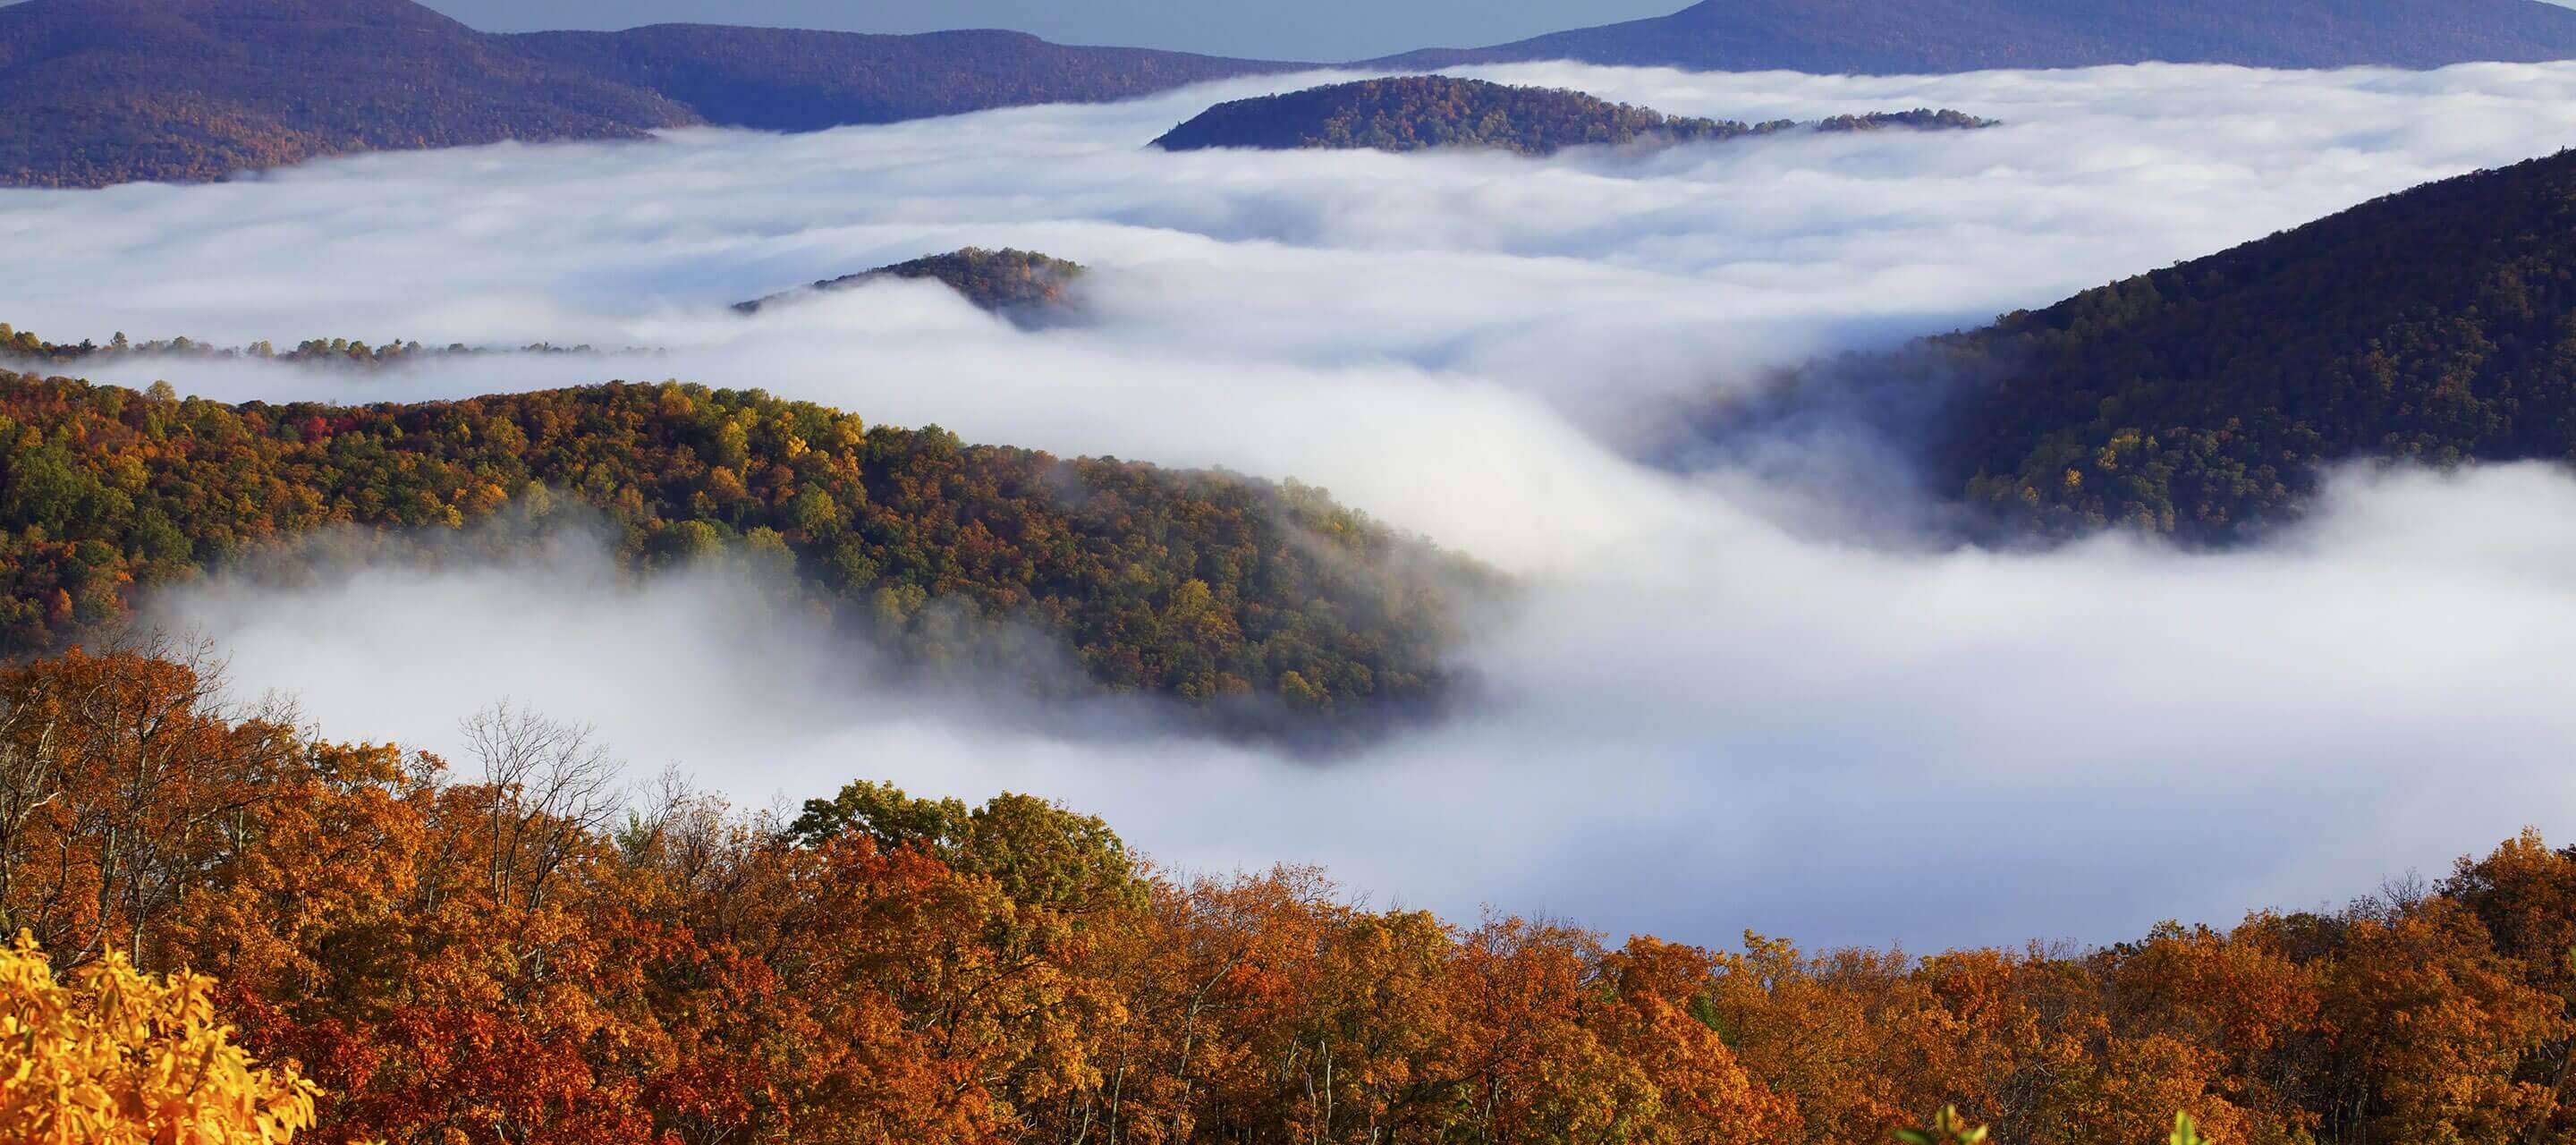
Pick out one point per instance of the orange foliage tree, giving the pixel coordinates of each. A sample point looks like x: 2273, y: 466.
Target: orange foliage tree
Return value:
x: 122, y: 1058
x: 510, y: 949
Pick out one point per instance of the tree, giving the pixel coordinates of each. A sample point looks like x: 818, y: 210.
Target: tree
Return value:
x: 1946, y: 1128
x: 2433, y: 1026
x: 123, y: 786
x: 505, y: 956
x: 124, y: 1058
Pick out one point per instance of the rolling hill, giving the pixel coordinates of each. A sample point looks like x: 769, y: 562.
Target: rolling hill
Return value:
x: 108, y: 91
x: 1203, y: 586
x: 1933, y: 36
x: 1021, y: 285
x: 2206, y: 400
x: 1412, y: 113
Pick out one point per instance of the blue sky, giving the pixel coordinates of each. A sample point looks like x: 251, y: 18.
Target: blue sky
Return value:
x: 1322, y: 30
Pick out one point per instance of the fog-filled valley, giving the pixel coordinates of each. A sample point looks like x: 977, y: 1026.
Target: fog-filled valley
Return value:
x: 1759, y: 692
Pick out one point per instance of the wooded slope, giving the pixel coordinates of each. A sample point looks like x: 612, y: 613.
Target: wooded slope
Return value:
x: 1197, y: 585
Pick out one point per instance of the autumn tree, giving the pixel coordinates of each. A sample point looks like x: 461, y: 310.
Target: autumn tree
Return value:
x: 123, y: 785
x: 520, y: 949
x: 118, y: 1057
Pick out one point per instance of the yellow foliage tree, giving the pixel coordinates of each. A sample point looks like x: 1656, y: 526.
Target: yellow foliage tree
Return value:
x: 122, y: 1058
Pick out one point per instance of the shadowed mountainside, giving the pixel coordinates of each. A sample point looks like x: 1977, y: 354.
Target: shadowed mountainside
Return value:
x: 110, y: 91
x: 98, y: 92
x: 2205, y: 400
x: 788, y: 80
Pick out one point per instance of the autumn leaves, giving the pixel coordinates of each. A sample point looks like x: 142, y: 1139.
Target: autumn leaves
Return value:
x: 501, y: 951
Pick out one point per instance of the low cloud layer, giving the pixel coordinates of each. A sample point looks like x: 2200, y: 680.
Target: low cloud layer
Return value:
x: 1713, y: 728
x: 1703, y: 721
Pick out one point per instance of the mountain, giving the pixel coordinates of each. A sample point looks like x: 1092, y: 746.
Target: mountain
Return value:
x: 2437, y: 325
x: 98, y: 92
x: 108, y: 91
x: 1915, y: 36
x: 1195, y: 585
x: 1019, y: 284
x: 787, y: 80
x: 1410, y: 113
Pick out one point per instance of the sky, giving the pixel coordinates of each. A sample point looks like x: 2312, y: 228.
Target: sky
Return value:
x: 1319, y: 30
x: 1731, y: 696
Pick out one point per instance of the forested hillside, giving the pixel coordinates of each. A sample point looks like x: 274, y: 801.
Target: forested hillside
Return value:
x: 1919, y: 36
x: 1410, y: 113
x: 2210, y: 400
x: 2437, y: 325
x: 1021, y: 284
x: 1196, y: 585
x: 111, y: 91
x: 494, y: 949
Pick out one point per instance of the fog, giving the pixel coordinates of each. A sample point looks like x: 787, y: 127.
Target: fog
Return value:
x: 1719, y: 706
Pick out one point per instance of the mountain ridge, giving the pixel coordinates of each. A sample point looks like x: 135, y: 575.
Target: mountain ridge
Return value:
x: 797, y: 80
x: 115, y: 91
x: 1943, y: 36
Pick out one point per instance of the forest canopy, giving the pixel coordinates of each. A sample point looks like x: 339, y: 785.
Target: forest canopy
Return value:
x: 500, y: 946
x: 1196, y: 585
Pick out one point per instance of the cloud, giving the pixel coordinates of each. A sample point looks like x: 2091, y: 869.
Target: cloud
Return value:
x: 1702, y: 720
x: 1719, y: 728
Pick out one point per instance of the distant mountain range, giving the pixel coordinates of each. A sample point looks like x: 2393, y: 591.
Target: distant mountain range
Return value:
x: 1412, y: 113
x: 96, y: 92
x: 1917, y: 36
